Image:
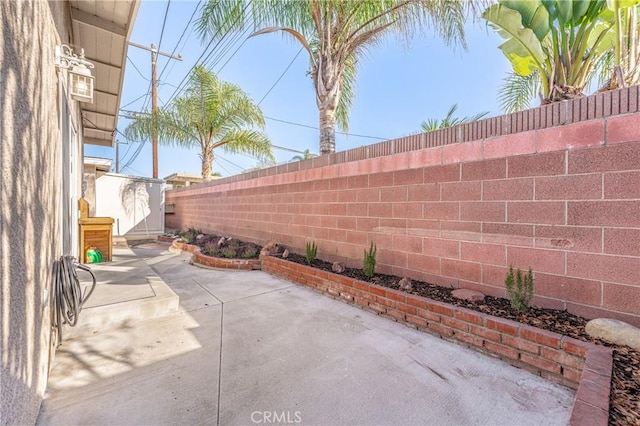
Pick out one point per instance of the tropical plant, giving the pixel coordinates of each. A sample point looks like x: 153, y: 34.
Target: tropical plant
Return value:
x: 449, y: 120
x: 335, y: 34
x: 306, y: 155
x: 369, y: 262
x: 211, y: 114
x: 621, y: 65
x: 553, y: 45
x: 519, y: 289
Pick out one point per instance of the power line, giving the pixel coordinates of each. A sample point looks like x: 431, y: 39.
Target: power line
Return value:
x: 136, y: 99
x: 291, y: 123
x: 180, y: 39
x: 128, y: 149
x: 135, y: 155
x: 134, y: 170
x: 288, y: 149
x: 202, y: 55
x: 235, y: 51
x: 226, y: 44
x: 230, y: 162
x: 281, y: 75
x: 164, y: 22
x: 166, y: 13
x: 137, y: 69
x: 223, y: 168
x: 316, y: 128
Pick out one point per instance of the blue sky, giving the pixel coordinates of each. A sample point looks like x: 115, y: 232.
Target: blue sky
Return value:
x: 398, y: 87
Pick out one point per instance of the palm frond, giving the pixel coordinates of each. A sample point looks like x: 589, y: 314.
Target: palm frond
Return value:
x: 347, y: 96
x: 249, y: 142
x: 517, y: 92
x: 449, y: 120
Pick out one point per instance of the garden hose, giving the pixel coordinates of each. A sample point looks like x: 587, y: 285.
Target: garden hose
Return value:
x: 68, y: 292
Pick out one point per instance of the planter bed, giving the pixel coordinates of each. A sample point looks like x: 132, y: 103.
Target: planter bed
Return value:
x: 579, y: 365
x: 212, y: 262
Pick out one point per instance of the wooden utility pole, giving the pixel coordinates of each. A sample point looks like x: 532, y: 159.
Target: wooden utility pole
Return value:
x: 154, y: 109
x: 154, y: 97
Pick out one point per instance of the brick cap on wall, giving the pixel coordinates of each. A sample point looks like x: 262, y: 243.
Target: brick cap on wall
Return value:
x: 599, y: 106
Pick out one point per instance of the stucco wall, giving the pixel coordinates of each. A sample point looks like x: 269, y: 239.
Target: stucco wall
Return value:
x: 521, y: 190
x: 30, y: 191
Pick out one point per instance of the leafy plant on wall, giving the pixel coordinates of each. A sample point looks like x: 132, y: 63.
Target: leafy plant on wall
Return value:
x: 556, y: 47
x: 621, y: 66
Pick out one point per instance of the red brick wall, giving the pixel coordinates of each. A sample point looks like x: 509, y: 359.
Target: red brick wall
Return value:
x: 561, y: 199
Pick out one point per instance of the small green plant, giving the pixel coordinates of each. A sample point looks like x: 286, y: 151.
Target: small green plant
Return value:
x: 190, y: 235
x: 519, y: 289
x: 369, y: 267
x: 250, y: 252
x: 312, y: 250
x: 228, y: 253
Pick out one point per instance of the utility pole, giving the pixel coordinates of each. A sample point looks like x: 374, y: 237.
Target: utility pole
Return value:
x: 117, y: 157
x: 154, y: 97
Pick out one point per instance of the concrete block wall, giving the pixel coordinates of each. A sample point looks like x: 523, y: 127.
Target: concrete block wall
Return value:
x: 556, y: 188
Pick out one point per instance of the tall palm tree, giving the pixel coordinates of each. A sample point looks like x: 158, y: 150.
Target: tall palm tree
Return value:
x: 335, y: 34
x: 449, y: 120
x: 212, y: 114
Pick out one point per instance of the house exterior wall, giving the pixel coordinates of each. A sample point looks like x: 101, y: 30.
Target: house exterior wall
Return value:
x: 555, y: 188
x: 30, y: 223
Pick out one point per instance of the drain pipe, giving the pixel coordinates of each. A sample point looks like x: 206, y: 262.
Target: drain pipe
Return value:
x: 68, y: 297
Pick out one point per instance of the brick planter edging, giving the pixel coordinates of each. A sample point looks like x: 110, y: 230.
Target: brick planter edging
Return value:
x: 166, y: 238
x: 215, y: 262
x: 579, y: 365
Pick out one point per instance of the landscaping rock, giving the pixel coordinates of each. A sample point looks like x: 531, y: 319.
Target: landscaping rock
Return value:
x: 270, y: 249
x: 199, y: 236
x: 221, y: 241
x: 614, y: 331
x: 468, y: 295
x: 285, y: 254
x: 338, y: 267
x: 405, y: 284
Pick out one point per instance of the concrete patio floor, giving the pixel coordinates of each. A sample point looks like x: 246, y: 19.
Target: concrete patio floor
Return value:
x: 247, y: 348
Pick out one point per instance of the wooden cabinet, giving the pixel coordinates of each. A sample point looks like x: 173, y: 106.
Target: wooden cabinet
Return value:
x: 95, y: 232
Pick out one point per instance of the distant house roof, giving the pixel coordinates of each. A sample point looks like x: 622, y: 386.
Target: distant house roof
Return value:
x: 103, y: 28
x: 178, y: 180
x: 100, y: 164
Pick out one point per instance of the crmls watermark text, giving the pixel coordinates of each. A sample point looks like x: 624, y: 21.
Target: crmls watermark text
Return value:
x: 270, y: 417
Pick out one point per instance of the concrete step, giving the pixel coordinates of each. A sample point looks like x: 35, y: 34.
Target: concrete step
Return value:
x: 122, y: 297
x: 120, y: 241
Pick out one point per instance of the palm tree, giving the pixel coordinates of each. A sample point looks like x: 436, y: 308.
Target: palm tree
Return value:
x: 336, y: 34
x: 212, y: 114
x: 449, y: 120
x: 306, y: 155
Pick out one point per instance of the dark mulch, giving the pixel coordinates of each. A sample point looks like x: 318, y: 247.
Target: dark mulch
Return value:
x: 625, y: 382
x: 223, y: 247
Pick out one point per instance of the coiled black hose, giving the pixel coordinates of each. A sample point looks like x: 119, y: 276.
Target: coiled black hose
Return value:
x: 68, y: 292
